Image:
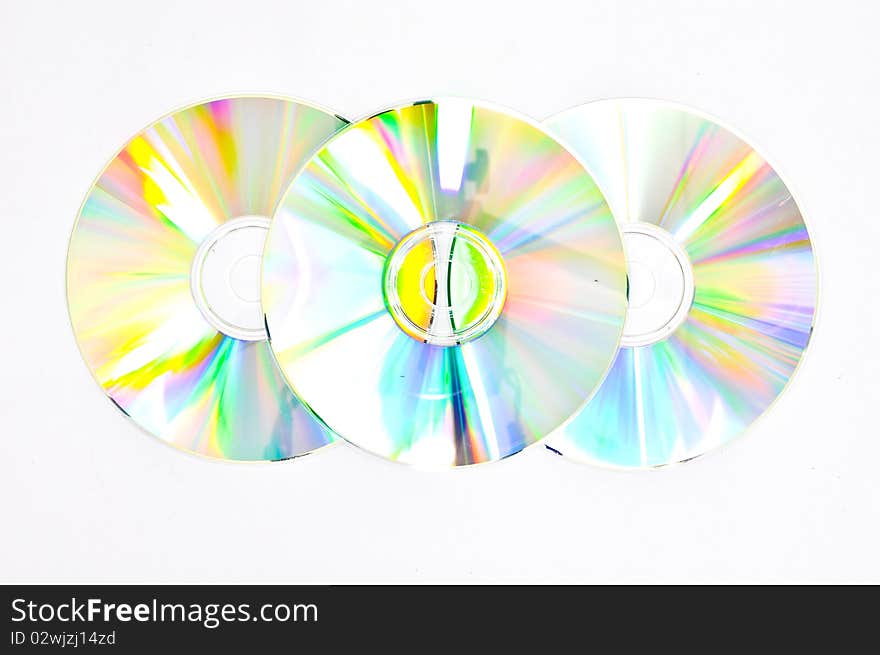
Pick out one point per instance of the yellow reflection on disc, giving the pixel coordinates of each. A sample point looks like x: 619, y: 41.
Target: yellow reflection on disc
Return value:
x: 163, y: 277
x: 460, y: 283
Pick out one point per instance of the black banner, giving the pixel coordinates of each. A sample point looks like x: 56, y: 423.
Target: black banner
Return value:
x: 413, y: 619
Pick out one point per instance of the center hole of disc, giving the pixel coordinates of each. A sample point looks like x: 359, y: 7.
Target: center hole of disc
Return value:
x: 641, y: 284
x: 459, y: 288
x: 225, y: 277
x: 661, y: 284
x: 244, y: 278
x: 445, y: 283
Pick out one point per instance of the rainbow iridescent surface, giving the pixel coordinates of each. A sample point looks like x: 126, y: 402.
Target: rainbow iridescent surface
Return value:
x: 518, y: 193
x: 128, y: 277
x: 754, y: 273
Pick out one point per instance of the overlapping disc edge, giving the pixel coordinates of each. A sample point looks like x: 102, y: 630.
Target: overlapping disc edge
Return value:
x: 756, y: 284
x: 128, y: 276
x: 372, y: 184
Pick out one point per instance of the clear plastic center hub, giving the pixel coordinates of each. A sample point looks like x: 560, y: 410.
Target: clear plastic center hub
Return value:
x: 661, y: 284
x: 225, y: 277
x: 445, y: 283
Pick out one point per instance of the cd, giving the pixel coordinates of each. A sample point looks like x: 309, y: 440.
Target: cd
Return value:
x: 444, y: 284
x: 722, y: 284
x: 163, y: 277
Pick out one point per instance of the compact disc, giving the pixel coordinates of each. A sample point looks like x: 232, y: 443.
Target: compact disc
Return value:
x: 163, y: 279
x: 722, y: 283
x: 444, y: 284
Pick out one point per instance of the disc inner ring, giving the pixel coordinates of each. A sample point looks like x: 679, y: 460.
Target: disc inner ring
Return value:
x: 225, y: 277
x: 445, y: 283
x: 660, y: 284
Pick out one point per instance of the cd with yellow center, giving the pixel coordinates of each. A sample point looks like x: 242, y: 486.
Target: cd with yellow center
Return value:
x: 163, y: 277
x: 444, y: 284
x: 722, y: 284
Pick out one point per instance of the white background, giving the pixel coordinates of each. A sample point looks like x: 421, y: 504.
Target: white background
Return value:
x: 86, y: 496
